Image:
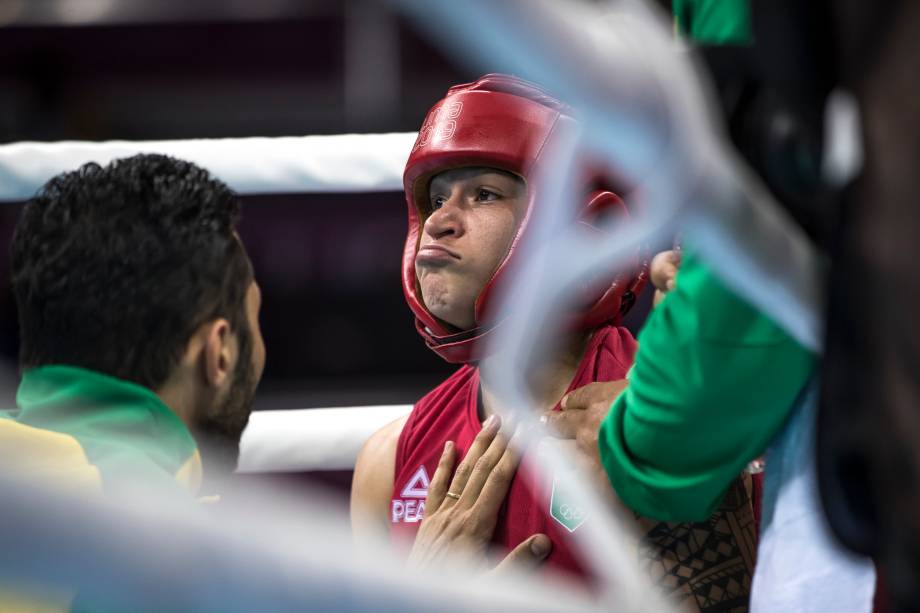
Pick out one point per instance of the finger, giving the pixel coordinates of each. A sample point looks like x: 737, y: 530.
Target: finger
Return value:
x: 671, y: 281
x: 669, y: 272
x: 561, y: 424
x: 585, y: 397
x: 672, y: 269
x: 664, y: 269
x: 499, y: 479
x: 480, y: 444
x: 581, y: 398
x: 483, y: 468
x: 441, y: 479
x: 658, y: 267
x: 527, y: 555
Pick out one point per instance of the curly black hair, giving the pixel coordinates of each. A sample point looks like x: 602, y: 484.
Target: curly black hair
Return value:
x: 113, y: 268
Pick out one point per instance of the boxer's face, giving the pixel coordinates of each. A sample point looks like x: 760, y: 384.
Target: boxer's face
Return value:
x: 474, y: 214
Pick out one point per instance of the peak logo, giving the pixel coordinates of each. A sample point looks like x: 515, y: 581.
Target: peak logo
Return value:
x: 415, y: 490
x: 417, y: 485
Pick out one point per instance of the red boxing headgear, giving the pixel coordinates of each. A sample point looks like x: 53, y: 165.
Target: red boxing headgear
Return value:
x: 499, y: 122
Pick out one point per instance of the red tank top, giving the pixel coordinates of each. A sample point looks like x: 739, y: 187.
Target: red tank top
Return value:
x: 450, y: 412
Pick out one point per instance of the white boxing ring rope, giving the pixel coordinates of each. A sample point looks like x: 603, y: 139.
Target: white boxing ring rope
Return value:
x: 295, y: 164
x: 301, y: 440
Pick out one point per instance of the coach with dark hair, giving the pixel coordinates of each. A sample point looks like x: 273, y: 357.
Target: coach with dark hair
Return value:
x: 140, y: 341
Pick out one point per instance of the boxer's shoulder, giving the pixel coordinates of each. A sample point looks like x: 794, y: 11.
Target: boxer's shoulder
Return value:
x: 373, y: 477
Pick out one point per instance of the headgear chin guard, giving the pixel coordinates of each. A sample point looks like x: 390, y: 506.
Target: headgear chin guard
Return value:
x: 505, y: 123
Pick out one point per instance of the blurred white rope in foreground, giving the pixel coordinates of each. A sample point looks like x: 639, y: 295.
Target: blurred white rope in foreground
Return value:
x: 258, y: 550
x: 295, y: 164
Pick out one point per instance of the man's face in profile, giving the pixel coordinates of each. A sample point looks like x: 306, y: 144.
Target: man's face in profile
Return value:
x: 221, y: 427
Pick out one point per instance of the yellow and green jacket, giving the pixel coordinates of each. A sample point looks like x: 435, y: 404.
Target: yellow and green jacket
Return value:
x: 92, y: 434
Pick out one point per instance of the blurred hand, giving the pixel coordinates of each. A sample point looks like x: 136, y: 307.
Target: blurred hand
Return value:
x: 462, y: 506
x: 580, y: 419
x: 663, y: 272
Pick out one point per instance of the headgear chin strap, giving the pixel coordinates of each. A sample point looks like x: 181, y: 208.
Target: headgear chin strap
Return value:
x: 505, y: 123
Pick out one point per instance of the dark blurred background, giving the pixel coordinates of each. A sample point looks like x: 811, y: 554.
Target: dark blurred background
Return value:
x: 334, y: 320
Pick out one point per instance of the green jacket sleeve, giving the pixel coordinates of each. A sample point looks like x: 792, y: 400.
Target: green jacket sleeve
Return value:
x: 714, y: 22
x: 713, y: 382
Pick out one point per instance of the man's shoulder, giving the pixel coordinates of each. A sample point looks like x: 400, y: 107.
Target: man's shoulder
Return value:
x: 45, y: 456
x: 64, y: 456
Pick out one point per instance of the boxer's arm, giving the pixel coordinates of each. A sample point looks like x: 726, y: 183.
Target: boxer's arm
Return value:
x: 372, y: 484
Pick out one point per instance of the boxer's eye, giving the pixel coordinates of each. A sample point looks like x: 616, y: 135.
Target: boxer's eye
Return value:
x: 437, y: 202
x: 487, y: 194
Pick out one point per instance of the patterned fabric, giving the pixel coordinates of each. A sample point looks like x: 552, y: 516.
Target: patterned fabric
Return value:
x: 705, y: 565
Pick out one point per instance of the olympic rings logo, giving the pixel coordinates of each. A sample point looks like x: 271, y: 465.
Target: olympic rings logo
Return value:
x: 570, y: 512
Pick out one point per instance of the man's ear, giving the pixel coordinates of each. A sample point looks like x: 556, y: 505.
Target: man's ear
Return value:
x: 219, y: 353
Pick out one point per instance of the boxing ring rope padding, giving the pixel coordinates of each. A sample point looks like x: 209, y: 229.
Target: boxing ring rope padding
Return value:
x: 291, y: 164
x: 311, y: 439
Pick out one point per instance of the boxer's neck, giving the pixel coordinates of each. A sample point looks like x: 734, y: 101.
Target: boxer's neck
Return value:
x: 547, y: 379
